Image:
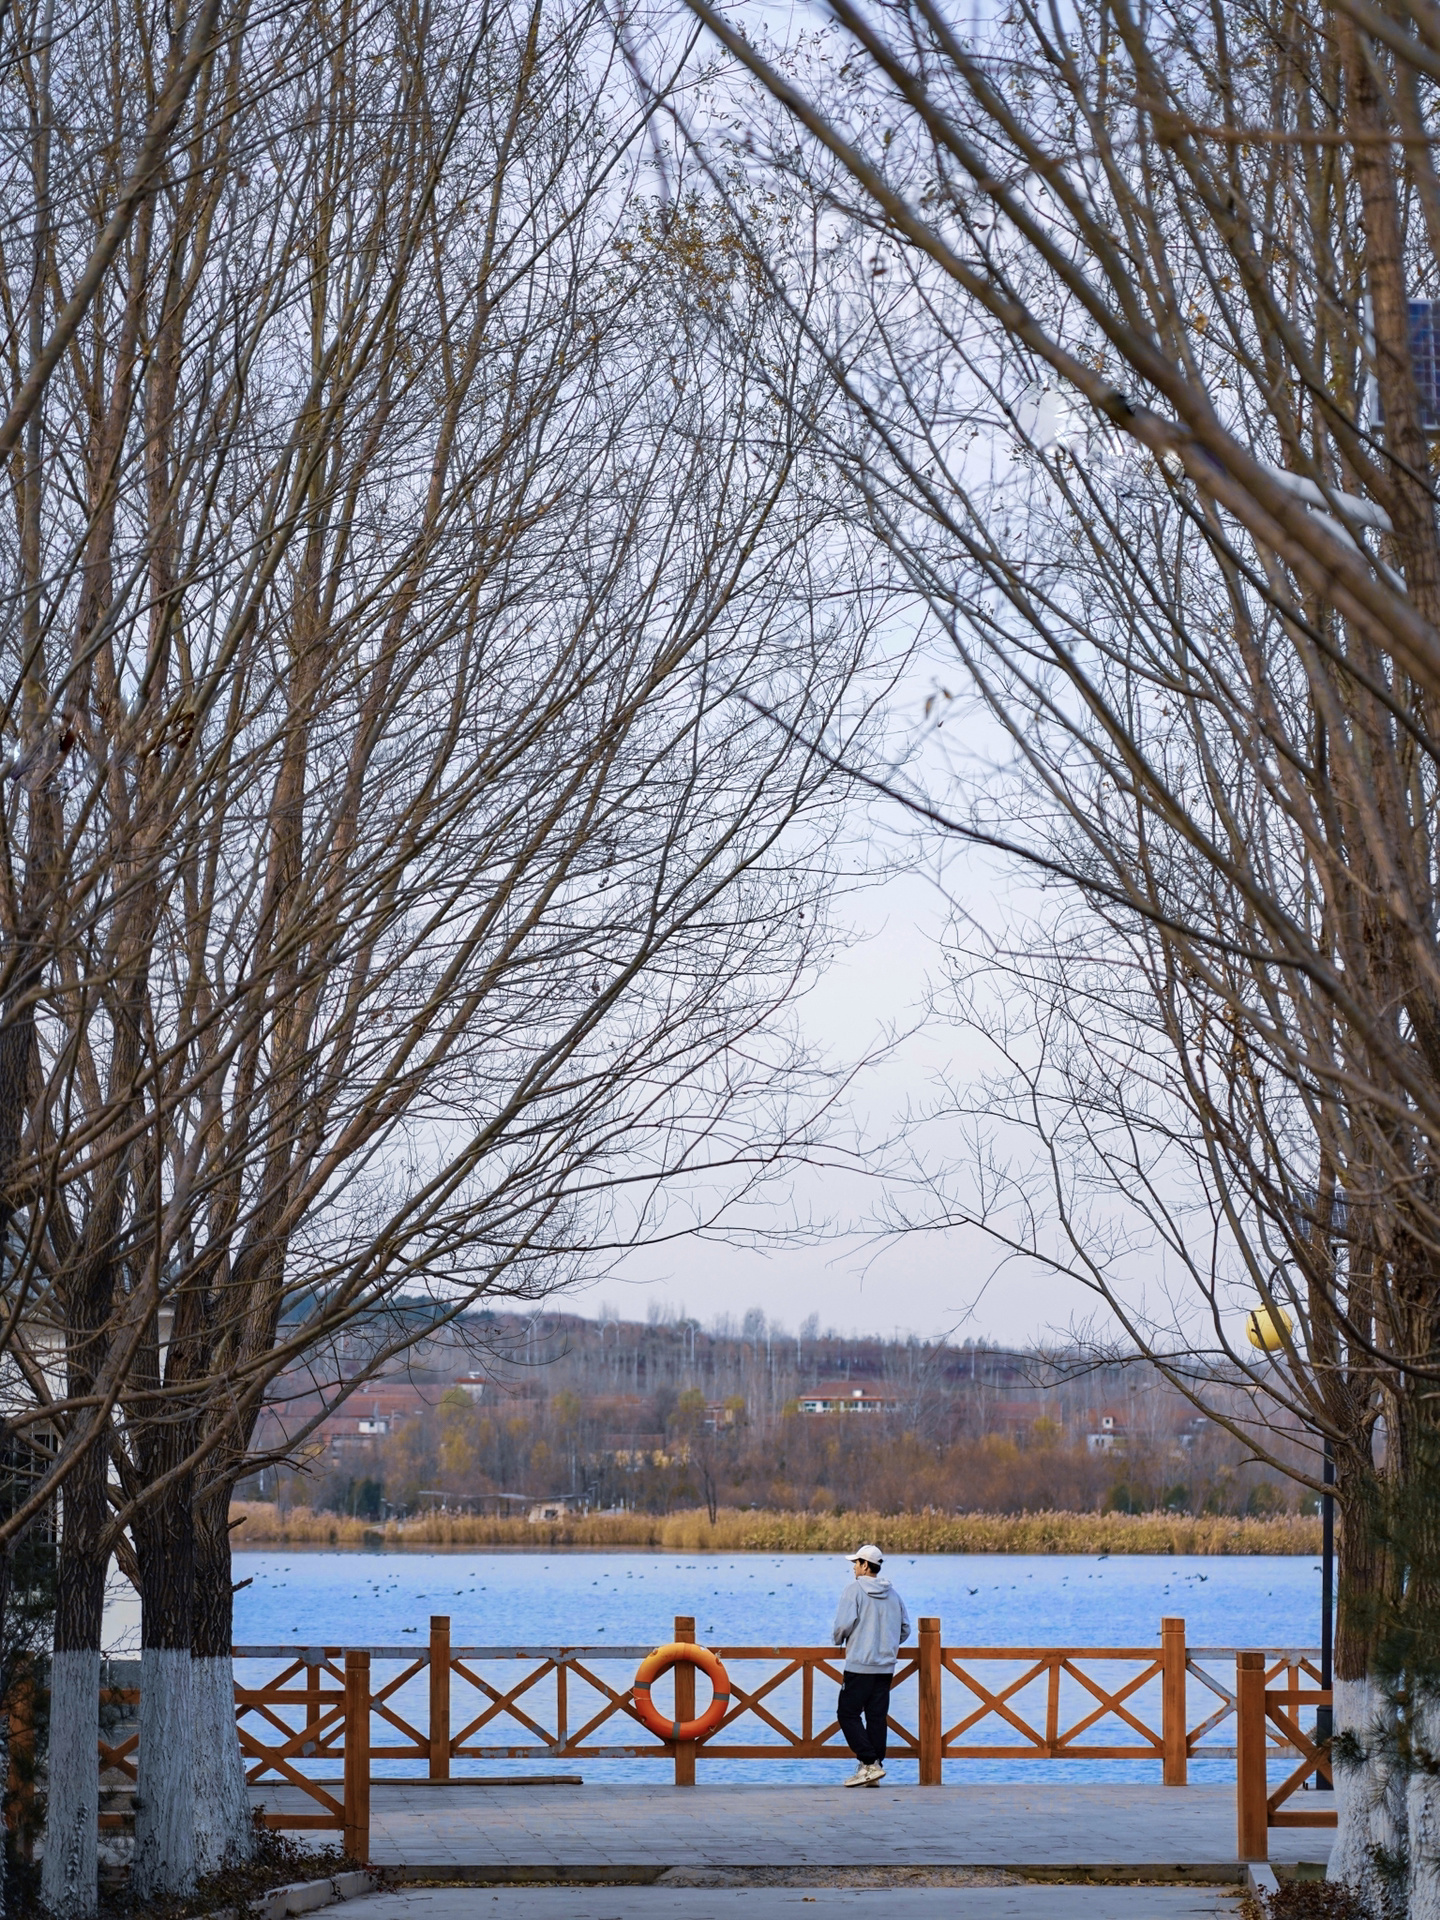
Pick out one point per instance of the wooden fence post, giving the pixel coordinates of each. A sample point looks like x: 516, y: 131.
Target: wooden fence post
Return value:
x: 314, y: 1663
x: 931, y: 1729
x: 1173, y: 1731
x: 357, y: 1753
x: 1251, y: 1786
x: 439, y: 1696
x: 685, y: 1702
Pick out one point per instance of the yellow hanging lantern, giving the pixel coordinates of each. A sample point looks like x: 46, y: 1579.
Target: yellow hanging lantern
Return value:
x: 1268, y: 1328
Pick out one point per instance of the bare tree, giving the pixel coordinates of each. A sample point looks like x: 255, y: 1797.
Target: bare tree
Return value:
x: 1148, y: 427
x: 412, y: 536
x: 74, y: 189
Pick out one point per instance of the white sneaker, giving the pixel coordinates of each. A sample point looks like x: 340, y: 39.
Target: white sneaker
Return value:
x: 877, y: 1773
x: 860, y: 1777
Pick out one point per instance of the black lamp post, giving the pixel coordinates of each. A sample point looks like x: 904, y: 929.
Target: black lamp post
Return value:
x: 1325, y: 1716
x: 1267, y: 1328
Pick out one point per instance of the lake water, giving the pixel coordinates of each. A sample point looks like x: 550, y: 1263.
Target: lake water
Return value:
x: 304, y: 1598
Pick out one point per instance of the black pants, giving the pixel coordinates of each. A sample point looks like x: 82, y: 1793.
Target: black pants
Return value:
x: 864, y: 1703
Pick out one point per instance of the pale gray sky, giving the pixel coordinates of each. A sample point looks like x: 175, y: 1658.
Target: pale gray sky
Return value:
x: 934, y: 1283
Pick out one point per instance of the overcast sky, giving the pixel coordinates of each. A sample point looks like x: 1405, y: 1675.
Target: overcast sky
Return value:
x: 954, y: 1283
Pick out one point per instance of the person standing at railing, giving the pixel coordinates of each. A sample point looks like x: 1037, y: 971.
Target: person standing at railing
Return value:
x: 872, y: 1625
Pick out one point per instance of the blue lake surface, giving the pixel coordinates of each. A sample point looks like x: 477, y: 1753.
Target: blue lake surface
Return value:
x: 305, y: 1598
x: 502, y: 1599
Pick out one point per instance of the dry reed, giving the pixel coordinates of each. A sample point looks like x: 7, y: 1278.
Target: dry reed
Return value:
x: 739, y: 1531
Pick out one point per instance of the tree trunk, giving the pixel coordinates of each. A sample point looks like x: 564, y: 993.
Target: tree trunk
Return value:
x: 1422, y: 1798
x: 1369, y: 1798
x: 165, y: 1792
x: 1351, y: 1861
x: 224, y: 1832
x: 68, y: 1874
x: 1389, y: 1835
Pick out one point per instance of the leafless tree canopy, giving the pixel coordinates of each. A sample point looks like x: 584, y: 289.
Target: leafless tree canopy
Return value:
x: 392, y: 548
x: 1129, y: 321
x: 400, y: 882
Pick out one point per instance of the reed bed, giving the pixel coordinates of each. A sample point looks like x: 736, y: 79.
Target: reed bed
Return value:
x: 741, y: 1531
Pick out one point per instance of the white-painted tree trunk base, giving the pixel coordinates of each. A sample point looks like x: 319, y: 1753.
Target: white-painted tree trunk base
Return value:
x: 1350, y: 1860
x: 1390, y: 1840
x: 1422, y: 1807
x: 69, y: 1869
x: 165, y: 1792
x: 1369, y: 1802
x: 224, y: 1834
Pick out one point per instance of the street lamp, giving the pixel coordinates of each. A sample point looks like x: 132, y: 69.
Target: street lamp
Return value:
x: 1268, y: 1328
x: 1325, y: 1716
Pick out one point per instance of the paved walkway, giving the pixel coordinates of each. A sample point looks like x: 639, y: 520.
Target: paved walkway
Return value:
x: 792, y: 1903
x: 616, y: 1827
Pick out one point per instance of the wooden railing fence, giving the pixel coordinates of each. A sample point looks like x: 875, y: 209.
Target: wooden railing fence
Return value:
x: 555, y: 1703
x: 1262, y: 1711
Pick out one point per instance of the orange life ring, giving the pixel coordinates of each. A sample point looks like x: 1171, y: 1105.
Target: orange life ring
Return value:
x: 661, y: 1661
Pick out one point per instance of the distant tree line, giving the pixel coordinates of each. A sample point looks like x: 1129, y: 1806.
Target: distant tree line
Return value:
x: 667, y: 1415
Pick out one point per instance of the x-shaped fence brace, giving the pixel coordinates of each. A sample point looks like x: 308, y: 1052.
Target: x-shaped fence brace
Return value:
x: 320, y: 1736
x: 1263, y: 1710
x: 1224, y: 1691
x: 806, y: 1744
x: 562, y: 1663
x: 1225, y: 1711
x: 417, y: 1744
x: 1282, y: 1706
x: 1052, y: 1744
x: 116, y: 1757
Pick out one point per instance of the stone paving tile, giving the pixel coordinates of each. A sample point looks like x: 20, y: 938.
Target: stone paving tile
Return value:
x: 634, y: 1825
x: 793, y: 1903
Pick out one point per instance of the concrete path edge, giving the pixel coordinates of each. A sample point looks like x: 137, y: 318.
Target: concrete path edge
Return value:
x: 308, y: 1896
x: 1218, y: 1873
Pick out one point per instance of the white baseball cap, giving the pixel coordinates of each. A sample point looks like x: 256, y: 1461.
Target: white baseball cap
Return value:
x: 872, y: 1554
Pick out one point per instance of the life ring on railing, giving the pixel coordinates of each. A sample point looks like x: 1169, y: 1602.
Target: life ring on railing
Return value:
x: 661, y: 1661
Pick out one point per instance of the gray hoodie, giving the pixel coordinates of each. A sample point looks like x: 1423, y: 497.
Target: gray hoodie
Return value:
x: 871, y: 1624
